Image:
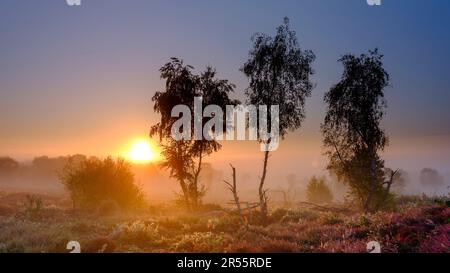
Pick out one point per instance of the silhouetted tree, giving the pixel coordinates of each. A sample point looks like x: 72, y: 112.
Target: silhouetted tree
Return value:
x: 184, y: 157
x: 431, y: 178
x: 180, y: 88
x: 352, y: 133
x: 48, y: 166
x: 279, y: 74
x: 8, y: 165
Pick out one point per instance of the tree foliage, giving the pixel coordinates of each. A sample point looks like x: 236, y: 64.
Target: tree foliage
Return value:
x: 94, y: 181
x: 279, y: 74
x: 183, y: 158
x: 352, y: 133
x: 431, y: 178
x: 8, y: 165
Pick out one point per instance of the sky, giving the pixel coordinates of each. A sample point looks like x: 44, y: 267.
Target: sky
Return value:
x: 80, y: 79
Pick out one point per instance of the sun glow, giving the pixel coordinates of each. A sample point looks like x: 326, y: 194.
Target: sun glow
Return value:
x: 142, y: 151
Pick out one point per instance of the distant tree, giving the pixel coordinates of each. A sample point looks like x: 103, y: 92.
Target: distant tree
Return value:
x: 184, y: 157
x: 93, y: 181
x: 47, y: 166
x: 431, y: 178
x: 317, y: 191
x: 279, y: 74
x: 8, y: 165
x: 352, y: 133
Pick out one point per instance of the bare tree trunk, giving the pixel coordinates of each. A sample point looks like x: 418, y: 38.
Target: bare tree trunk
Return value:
x: 372, y: 184
x: 389, y: 183
x: 233, y: 189
x: 262, y: 192
x: 185, y: 191
x: 184, y: 186
x: 195, y: 195
x: 388, y: 187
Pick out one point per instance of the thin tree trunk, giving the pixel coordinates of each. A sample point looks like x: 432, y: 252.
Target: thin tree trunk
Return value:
x: 233, y: 189
x: 185, y: 194
x: 262, y: 193
x: 184, y: 187
x: 388, y: 187
x: 195, y: 195
x: 372, y: 185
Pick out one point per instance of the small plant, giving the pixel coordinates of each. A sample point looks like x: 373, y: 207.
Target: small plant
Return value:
x: 32, y: 206
x: 364, y: 221
x: 140, y: 233
x: 278, y: 214
x: 332, y: 219
x: 299, y: 215
x: 200, y: 242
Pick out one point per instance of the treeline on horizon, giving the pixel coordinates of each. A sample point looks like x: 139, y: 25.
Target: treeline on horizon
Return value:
x: 41, y: 175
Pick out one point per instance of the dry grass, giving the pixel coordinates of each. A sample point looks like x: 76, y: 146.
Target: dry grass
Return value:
x: 416, y: 227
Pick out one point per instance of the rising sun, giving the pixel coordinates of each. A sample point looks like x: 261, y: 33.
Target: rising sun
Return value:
x: 142, y: 151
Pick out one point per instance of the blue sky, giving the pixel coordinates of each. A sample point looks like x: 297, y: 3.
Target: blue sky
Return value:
x: 71, y: 74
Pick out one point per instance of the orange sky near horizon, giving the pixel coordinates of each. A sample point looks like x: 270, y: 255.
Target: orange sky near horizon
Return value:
x: 81, y: 80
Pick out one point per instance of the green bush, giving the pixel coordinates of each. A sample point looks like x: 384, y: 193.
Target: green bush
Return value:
x: 317, y: 191
x: 93, y: 182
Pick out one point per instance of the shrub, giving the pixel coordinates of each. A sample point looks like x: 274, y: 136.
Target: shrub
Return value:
x: 438, y: 241
x: 200, y: 242
x: 332, y: 219
x: 92, y: 182
x: 224, y: 224
x: 278, y: 214
x: 32, y: 206
x: 299, y: 215
x: 317, y: 191
x: 140, y: 233
x: 279, y: 246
